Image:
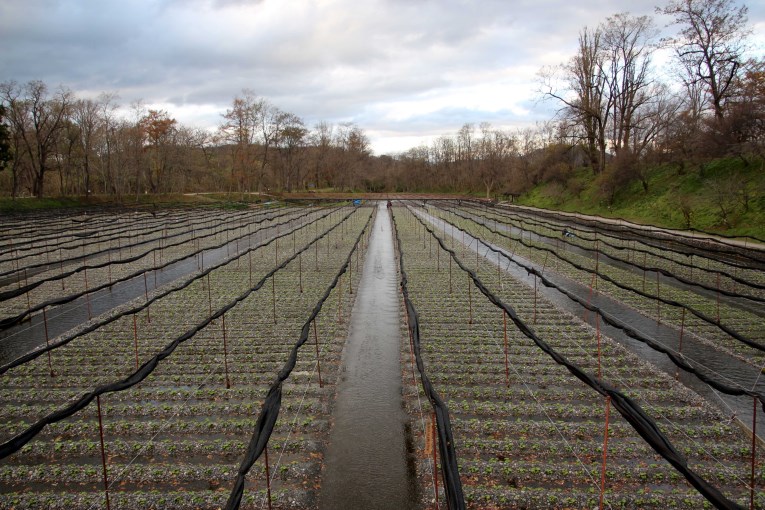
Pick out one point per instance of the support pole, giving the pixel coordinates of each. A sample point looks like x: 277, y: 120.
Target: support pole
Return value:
x: 318, y: 361
x: 658, y: 296
x: 47, y: 342
x: 470, y: 302
x: 507, y: 363
x: 87, y: 294
x: 597, y: 332
x: 209, y: 294
x: 680, y: 343
x: 434, y: 442
x: 225, y: 351
x: 754, y: 451
x: 273, y: 295
x: 605, y: 454
x: 535, y: 298
x: 145, y: 287
x: 268, y: 479
x: 135, y: 340
x: 103, y: 452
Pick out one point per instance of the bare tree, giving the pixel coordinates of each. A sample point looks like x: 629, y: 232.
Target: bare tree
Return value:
x: 585, y: 97
x: 158, y: 129
x: 321, y: 140
x: 710, y: 44
x: 627, y: 41
x: 240, y: 129
x: 290, y: 142
x: 86, y: 115
x: 37, y: 119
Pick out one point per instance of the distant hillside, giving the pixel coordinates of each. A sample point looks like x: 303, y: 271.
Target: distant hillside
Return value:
x: 725, y: 196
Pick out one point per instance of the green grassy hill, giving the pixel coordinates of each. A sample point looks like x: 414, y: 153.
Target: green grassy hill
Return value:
x: 725, y: 196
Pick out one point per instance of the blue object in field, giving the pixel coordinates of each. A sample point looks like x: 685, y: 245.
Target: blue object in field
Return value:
x: 357, y: 202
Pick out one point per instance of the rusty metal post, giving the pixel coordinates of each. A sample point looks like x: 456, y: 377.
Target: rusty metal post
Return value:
x: 87, y: 294
x: 103, y: 452
x: 135, y: 340
x: 225, y: 351
x: 658, y: 297
x: 754, y: 450
x: 47, y: 342
x: 273, y: 295
x: 318, y: 361
x: 605, y: 454
x: 340, y: 300
x: 535, y: 298
x: 434, y: 442
x: 450, y: 275
x: 268, y: 479
x: 507, y: 363
x: 209, y: 294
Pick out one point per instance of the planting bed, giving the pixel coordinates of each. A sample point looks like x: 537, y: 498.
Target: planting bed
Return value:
x: 177, y: 438
x: 215, y: 388
x: 527, y: 433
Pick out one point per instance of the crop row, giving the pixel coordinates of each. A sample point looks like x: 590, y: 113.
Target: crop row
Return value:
x: 188, y: 400
x: 525, y: 393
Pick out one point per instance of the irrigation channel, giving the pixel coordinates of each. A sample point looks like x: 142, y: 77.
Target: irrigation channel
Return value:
x: 368, y: 464
x: 32, y: 333
x: 447, y: 356
x: 704, y: 356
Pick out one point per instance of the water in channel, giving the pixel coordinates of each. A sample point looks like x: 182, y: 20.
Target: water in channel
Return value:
x: 715, y: 363
x: 31, y: 334
x: 367, y: 464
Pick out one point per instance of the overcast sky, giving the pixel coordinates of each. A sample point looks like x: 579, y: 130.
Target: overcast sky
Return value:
x: 403, y: 70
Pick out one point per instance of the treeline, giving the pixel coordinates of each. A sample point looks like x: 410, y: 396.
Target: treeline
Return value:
x: 59, y: 144
x: 616, y: 115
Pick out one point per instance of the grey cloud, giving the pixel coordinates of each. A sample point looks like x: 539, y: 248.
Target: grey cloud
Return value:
x: 343, y: 60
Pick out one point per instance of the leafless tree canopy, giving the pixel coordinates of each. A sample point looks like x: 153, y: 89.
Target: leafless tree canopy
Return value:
x: 615, y: 115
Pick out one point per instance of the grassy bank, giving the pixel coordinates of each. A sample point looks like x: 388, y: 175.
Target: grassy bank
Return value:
x: 725, y: 196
